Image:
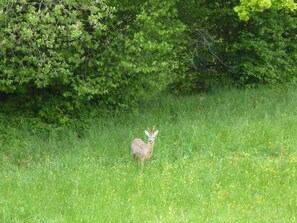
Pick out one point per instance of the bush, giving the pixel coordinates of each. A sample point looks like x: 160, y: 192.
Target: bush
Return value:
x: 222, y: 49
x: 263, y: 52
x: 59, y: 56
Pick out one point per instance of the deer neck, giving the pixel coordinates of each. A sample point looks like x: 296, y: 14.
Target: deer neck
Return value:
x: 151, y: 147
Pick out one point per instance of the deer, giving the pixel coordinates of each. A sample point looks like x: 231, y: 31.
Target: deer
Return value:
x: 141, y: 150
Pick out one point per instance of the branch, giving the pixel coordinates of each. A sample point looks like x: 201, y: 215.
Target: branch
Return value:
x: 204, y: 41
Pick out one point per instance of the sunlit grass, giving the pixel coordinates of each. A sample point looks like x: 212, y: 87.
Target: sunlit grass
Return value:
x: 224, y: 157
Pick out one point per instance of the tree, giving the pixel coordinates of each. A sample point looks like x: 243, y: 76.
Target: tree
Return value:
x: 58, y: 56
x: 247, y: 6
x: 222, y: 49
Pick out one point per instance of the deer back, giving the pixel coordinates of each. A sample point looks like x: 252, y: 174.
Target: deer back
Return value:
x: 140, y: 148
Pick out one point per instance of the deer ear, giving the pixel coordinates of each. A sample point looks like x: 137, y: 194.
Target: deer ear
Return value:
x: 147, y: 133
x: 155, y: 133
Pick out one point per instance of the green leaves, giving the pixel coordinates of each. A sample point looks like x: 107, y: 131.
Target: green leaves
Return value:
x: 80, y: 52
x: 63, y: 55
x: 44, y: 47
x: 247, y: 6
x: 242, y: 12
x: 230, y: 51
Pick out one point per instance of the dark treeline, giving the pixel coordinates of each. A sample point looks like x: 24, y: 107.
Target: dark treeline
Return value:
x: 59, y: 56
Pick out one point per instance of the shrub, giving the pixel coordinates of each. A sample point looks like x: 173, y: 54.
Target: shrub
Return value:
x: 234, y: 52
x: 59, y: 56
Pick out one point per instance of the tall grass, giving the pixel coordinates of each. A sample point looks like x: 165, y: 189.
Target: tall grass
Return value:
x: 224, y: 157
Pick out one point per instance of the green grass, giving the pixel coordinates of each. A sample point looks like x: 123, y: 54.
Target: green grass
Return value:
x: 225, y: 157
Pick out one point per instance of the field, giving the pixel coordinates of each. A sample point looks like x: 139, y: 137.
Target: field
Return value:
x: 228, y: 156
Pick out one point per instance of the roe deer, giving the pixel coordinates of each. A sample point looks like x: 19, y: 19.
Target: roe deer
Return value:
x: 141, y: 150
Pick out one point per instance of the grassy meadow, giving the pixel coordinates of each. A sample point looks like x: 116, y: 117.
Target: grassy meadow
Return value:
x: 228, y: 156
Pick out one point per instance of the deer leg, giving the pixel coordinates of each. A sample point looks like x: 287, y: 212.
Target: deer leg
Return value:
x: 142, y: 161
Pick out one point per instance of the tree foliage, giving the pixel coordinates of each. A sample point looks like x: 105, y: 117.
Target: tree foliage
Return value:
x: 57, y: 56
x: 64, y: 54
x: 232, y: 51
x: 247, y: 6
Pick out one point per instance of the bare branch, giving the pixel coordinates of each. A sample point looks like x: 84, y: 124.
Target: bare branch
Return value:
x: 204, y: 42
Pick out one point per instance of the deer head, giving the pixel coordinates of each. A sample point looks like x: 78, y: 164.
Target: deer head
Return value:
x: 151, y: 134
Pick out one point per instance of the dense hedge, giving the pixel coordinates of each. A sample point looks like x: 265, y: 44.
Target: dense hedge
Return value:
x: 61, y: 55
x: 57, y: 56
x: 225, y: 50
